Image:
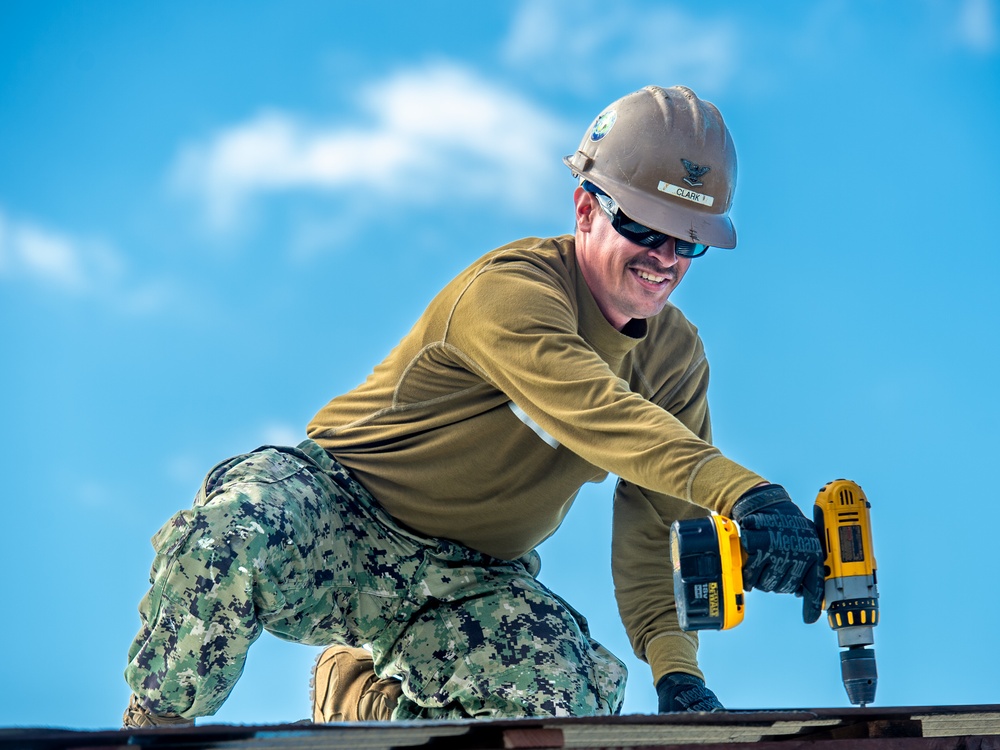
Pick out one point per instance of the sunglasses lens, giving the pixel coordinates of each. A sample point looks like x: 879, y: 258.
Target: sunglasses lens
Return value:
x: 687, y: 249
x: 639, y: 234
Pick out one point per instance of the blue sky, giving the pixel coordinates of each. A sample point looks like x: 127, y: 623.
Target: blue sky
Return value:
x: 215, y: 217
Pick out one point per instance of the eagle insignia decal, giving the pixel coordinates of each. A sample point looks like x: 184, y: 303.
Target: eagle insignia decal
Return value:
x: 694, y: 173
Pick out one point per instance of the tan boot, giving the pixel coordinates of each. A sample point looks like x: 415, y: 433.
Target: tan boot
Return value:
x: 346, y: 688
x: 137, y: 716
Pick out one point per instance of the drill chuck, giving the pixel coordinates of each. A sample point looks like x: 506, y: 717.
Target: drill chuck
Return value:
x: 857, y: 667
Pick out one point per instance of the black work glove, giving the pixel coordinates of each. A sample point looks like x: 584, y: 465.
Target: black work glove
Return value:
x: 783, y: 549
x: 679, y: 691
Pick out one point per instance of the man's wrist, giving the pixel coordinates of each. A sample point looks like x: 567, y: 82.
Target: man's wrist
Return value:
x: 757, y: 498
x: 719, y: 482
x: 674, y: 651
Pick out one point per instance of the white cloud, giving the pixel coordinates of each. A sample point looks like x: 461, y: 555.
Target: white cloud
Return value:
x: 577, y: 44
x: 977, y: 25
x: 30, y: 250
x: 430, y: 135
x: 75, y: 266
x: 281, y: 434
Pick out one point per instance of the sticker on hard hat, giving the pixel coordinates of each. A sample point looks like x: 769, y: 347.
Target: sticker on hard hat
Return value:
x: 695, y: 172
x: 603, y: 124
x: 685, y: 193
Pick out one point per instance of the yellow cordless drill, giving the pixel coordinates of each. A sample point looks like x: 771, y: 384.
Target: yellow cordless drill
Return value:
x: 708, y: 578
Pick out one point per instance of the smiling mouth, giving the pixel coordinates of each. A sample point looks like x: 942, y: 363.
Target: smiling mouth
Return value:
x: 650, y: 277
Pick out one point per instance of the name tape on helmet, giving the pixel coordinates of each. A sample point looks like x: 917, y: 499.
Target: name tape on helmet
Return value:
x: 685, y: 193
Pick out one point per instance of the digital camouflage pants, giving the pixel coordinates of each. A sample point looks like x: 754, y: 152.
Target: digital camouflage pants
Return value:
x: 285, y: 540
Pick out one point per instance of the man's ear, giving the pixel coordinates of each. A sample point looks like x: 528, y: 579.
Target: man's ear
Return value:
x: 583, y: 203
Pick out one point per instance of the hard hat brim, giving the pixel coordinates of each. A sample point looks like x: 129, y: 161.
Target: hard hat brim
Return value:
x: 668, y: 214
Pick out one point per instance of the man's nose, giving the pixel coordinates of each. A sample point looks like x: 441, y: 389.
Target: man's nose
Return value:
x: 666, y: 253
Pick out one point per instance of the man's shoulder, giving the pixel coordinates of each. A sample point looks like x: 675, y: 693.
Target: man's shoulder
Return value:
x: 670, y: 335
x: 670, y: 355
x: 522, y: 264
x: 550, y: 254
x: 511, y: 280
x: 671, y: 321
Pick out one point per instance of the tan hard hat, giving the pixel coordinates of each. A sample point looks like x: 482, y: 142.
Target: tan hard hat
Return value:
x: 667, y: 158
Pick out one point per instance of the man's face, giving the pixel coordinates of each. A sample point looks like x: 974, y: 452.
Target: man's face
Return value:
x: 627, y: 280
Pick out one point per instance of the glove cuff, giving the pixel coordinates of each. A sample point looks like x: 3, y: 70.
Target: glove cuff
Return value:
x: 753, y: 500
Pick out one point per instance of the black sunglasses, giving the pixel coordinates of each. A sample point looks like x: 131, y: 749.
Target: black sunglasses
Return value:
x: 638, y: 233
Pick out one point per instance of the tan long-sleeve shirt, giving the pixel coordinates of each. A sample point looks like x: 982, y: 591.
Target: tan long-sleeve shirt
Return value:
x: 511, y: 391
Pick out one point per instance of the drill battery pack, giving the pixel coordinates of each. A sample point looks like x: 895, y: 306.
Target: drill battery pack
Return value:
x: 708, y: 573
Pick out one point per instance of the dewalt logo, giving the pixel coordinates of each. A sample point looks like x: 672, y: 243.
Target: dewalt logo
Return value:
x: 713, y: 599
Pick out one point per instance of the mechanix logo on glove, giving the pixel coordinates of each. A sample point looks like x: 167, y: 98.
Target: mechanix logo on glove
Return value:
x: 790, y: 541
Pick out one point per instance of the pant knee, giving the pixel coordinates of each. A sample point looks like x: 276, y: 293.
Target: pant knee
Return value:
x: 522, y: 652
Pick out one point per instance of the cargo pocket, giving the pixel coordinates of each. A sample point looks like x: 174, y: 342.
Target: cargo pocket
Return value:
x: 167, y: 543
